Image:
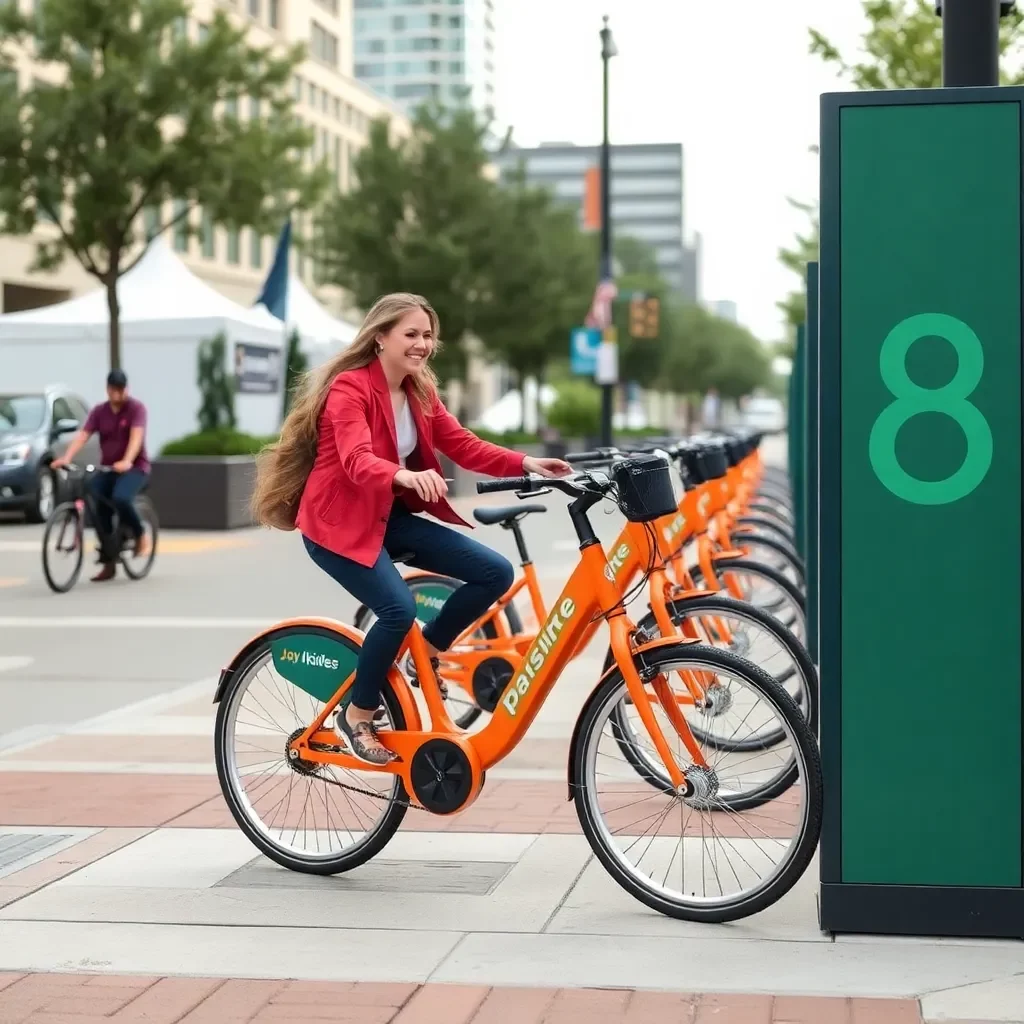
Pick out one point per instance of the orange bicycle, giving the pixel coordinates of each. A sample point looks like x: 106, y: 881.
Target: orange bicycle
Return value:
x: 480, y: 663
x: 304, y: 800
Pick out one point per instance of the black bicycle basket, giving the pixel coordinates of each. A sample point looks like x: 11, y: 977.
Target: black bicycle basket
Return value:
x: 644, y: 484
x: 716, y: 463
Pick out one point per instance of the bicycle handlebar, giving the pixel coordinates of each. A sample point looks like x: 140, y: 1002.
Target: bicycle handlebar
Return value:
x: 597, y: 455
x: 504, y: 483
x: 573, y: 486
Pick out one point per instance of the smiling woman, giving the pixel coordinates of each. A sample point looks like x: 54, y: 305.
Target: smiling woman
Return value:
x: 355, y: 465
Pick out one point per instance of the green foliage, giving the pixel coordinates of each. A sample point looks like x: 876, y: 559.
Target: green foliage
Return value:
x: 220, y: 442
x: 714, y: 353
x: 901, y: 48
x: 129, y: 118
x: 576, y: 410
x: 507, y: 438
x: 216, y: 387
x: 297, y: 364
x: 803, y: 251
x: 416, y: 221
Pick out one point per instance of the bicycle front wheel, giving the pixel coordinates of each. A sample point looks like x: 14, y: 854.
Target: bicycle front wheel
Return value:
x: 691, y: 855
x: 138, y: 566
x: 62, y: 562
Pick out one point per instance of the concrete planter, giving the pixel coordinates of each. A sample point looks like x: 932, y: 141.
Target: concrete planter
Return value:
x: 203, y: 492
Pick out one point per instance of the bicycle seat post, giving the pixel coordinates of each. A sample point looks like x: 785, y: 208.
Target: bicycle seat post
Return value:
x: 517, y: 532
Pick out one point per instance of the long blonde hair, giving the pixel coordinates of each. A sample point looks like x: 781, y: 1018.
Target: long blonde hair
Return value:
x: 282, y: 468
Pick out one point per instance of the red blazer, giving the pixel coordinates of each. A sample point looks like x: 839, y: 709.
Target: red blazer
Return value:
x: 349, y: 492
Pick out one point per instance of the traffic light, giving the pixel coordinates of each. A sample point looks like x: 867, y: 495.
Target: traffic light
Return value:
x: 644, y: 312
x: 653, y: 311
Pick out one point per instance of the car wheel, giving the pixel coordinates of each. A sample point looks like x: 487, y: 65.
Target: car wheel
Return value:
x: 45, y: 499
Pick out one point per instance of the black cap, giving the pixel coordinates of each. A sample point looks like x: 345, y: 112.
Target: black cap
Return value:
x: 117, y: 379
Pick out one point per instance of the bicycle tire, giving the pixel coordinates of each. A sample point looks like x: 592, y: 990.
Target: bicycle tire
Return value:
x: 147, y: 513
x: 512, y: 620
x: 754, y: 568
x: 623, y: 732
x: 809, y: 760
x: 766, y: 524
x: 781, y: 547
x: 345, y: 860
x: 67, y: 511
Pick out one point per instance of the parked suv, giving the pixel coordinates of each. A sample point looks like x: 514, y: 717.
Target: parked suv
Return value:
x: 35, y: 428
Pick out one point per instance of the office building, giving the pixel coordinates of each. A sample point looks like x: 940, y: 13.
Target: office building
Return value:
x: 327, y: 98
x: 417, y: 50
x: 646, y: 196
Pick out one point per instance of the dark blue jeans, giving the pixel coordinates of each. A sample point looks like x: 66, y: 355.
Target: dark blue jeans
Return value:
x: 121, y: 489
x: 486, y: 575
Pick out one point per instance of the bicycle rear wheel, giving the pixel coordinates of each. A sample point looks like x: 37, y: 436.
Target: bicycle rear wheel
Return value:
x: 308, y: 817
x: 138, y: 567
x: 65, y: 529
x: 704, y: 858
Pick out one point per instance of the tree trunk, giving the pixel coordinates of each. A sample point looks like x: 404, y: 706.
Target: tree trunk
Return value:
x: 114, y: 310
x: 539, y: 406
x: 521, y: 374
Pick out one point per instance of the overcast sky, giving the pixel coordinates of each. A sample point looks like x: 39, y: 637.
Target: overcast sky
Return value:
x: 730, y: 79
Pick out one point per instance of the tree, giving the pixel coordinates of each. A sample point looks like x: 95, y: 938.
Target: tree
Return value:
x: 804, y: 251
x: 538, y: 281
x: 216, y: 388
x: 714, y: 353
x: 416, y: 221
x: 127, y: 119
x: 295, y: 366
x: 902, y: 49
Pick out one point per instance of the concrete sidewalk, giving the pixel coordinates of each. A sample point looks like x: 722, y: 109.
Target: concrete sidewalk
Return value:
x: 124, y: 862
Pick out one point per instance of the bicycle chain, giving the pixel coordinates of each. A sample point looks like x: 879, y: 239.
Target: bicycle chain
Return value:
x: 323, y: 748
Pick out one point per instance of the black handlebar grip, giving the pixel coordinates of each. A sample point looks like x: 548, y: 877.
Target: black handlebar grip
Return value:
x: 505, y: 483
x: 588, y: 457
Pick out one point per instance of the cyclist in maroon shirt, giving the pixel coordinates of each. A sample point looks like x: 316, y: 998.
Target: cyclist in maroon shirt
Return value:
x: 121, y: 424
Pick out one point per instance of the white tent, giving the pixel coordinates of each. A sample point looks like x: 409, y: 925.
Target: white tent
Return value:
x: 322, y: 334
x: 165, y: 312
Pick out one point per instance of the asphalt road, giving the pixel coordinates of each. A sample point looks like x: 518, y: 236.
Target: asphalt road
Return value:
x: 67, y: 657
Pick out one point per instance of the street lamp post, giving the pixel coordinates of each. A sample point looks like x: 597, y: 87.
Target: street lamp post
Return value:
x: 608, y: 51
x: 970, y: 41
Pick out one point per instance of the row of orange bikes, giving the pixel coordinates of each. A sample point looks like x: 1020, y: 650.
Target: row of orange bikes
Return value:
x: 693, y: 764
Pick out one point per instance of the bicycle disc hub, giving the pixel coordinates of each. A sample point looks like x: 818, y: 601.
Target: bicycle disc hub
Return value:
x: 490, y: 678
x: 441, y: 776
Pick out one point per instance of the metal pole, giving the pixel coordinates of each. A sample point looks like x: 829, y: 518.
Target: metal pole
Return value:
x: 607, y: 390
x: 970, y: 42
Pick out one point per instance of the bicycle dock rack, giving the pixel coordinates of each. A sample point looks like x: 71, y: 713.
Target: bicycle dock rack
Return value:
x: 920, y: 512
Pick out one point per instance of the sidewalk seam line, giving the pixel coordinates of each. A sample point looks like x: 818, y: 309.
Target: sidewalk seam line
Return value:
x: 461, y: 939
x: 565, y: 896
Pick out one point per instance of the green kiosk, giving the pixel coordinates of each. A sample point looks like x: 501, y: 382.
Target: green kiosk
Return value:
x: 919, y: 503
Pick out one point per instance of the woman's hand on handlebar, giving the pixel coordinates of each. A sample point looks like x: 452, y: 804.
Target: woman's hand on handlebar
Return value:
x: 546, y: 467
x: 429, y: 485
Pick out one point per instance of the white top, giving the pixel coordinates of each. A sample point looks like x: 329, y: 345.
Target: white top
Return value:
x: 406, y: 428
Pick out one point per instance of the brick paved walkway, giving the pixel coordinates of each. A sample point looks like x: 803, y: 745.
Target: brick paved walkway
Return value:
x: 84, y: 999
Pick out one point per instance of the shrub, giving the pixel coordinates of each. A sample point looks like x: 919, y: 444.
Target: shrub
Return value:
x: 223, y: 441
x: 576, y: 412
x: 508, y: 438
x: 216, y: 386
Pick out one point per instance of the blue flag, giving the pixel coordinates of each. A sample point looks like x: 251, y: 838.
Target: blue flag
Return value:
x: 275, y: 288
